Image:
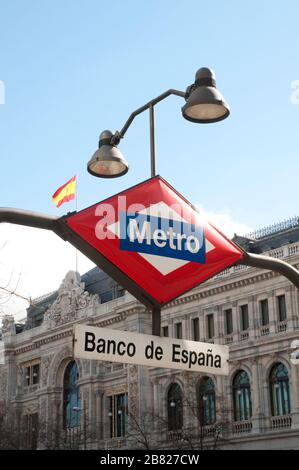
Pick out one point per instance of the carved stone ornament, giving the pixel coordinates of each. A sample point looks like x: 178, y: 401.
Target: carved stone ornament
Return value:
x: 8, y: 324
x: 45, y: 362
x: 3, y: 383
x: 71, y: 300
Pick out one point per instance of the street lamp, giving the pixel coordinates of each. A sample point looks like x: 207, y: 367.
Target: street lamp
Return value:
x: 204, y: 104
x: 107, y: 161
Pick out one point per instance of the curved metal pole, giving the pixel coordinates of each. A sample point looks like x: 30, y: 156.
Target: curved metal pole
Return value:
x: 273, y: 264
x: 120, y: 134
x: 34, y: 219
x: 28, y: 218
x: 150, y: 105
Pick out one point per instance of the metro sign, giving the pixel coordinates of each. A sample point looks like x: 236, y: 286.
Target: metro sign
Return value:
x: 153, y: 242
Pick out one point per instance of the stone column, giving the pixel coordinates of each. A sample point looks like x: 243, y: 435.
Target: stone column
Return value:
x: 189, y: 402
x: 215, y: 313
x: 11, y: 370
x: 156, y: 403
x: 158, y: 412
x: 98, y: 412
x: 252, y: 316
x: 255, y: 396
x: 272, y: 312
x: 187, y: 334
x: 292, y: 316
x: 51, y: 411
x: 202, y: 331
x: 218, y: 320
x: 105, y: 418
x: 294, y: 389
x: 265, y: 403
x: 236, y: 321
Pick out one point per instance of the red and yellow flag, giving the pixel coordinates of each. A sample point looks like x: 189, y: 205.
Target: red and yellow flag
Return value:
x: 65, y: 193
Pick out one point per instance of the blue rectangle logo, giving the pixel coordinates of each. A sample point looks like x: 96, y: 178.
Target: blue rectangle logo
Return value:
x: 163, y: 237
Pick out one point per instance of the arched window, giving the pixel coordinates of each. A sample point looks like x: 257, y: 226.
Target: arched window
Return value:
x: 280, y: 390
x: 207, y: 401
x: 242, y: 396
x: 175, y: 407
x: 72, y: 408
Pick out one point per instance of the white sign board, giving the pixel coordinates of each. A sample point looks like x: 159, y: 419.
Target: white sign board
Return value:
x: 103, y: 344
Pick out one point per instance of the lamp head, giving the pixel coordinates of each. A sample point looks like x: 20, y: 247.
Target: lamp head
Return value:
x: 204, y: 103
x: 107, y: 161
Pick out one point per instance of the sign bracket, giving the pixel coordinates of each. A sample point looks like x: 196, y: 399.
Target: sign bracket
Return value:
x: 58, y: 226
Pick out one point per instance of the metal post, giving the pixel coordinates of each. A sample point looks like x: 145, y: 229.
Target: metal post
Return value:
x: 150, y: 105
x: 152, y: 141
x: 156, y: 321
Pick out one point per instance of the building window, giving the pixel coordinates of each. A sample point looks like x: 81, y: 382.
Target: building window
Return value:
x: 195, y: 329
x: 175, y: 407
x: 71, y: 397
x: 280, y: 390
x: 281, y: 305
x: 264, y: 312
x: 207, y: 401
x: 30, y: 430
x: 210, y: 326
x: 32, y: 374
x: 228, y: 321
x: 118, y: 414
x: 242, y: 396
x: 244, y: 320
x: 178, y: 330
x: 165, y: 331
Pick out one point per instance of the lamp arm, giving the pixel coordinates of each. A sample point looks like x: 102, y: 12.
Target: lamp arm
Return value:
x: 120, y: 134
x: 273, y: 264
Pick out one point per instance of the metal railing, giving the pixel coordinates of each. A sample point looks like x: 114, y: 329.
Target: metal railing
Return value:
x: 281, y: 326
x: 274, y: 228
x: 228, y: 339
x: 244, y: 336
x: 264, y: 330
x: 281, y: 422
x: 242, y: 427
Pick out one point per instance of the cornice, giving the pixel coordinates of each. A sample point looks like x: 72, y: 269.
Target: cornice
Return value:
x: 39, y: 342
x: 121, y: 316
x: 228, y: 286
x: 35, y: 344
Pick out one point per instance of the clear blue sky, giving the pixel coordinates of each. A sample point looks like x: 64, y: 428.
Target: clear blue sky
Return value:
x: 73, y: 68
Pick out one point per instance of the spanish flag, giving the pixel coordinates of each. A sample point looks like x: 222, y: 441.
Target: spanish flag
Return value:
x: 65, y: 193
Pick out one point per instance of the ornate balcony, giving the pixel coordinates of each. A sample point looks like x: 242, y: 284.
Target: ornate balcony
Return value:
x: 281, y: 422
x: 281, y: 326
x: 228, y: 339
x: 244, y: 335
x: 264, y: 330
x: 242, y: 427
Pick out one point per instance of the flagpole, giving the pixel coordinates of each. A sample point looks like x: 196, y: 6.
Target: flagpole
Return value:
x: 76, y: 208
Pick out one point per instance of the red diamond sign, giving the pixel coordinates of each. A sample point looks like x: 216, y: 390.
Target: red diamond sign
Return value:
x: 153, y: 241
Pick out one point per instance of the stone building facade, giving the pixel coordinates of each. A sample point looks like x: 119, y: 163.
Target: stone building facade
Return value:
x: 99, y: 405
